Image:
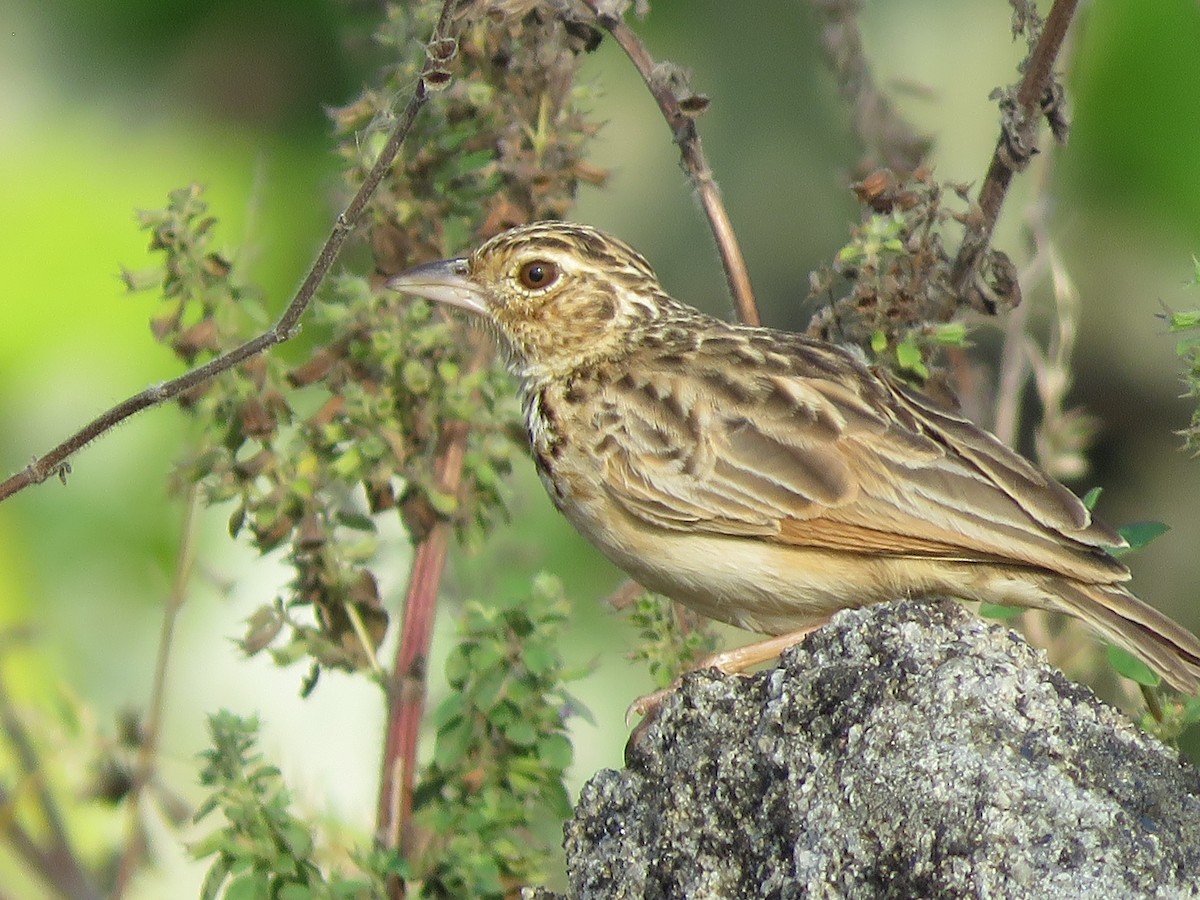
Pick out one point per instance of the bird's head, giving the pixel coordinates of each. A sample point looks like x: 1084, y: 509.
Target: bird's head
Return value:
x: 557, y: 295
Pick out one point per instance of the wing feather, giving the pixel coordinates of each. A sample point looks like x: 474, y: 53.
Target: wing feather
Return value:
x: 833, y: 456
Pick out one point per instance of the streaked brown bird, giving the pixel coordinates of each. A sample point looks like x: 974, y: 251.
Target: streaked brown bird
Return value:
x: 766, y: 479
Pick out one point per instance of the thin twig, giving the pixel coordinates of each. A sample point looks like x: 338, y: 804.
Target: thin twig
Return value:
x: 1015, y: 367
x: 147, y: 759
x: 23, y: 846
x: 57, y: 862
x: 439, y: 51
x: 886, y: 137
x: 1022, y: 134
x: 1014, y: 370
x: 683, y: 128
x: 407, y: 685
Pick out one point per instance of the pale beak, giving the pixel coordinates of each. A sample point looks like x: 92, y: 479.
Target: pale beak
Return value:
x: 444, y: 281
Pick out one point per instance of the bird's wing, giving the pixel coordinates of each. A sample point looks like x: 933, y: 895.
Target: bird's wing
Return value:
x: 820, y: 452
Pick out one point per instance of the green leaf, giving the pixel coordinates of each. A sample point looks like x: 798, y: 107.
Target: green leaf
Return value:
x: 1138, y: 535
x: 1092, y: 497
x: 1191, y: 711
x: 555, y: 751
x: 539, y: 658
x: 444, y: 504
x: 486, y: 655
x: 1126, y: 664
x: 251, y: 886
x: 878, y: 341
x: 214, y: 878
x: 452, y: 744
x: 357, y: 521
x: 908, y: 355
x: 521, y: 733
x: 1185, y: 347
x: 996, y: 611
x: 951, y: 334
x: 453, y: 707
x: 237, y: 520
x: 294, y: 892
x: 1182, y: 321
x: 486, y: 691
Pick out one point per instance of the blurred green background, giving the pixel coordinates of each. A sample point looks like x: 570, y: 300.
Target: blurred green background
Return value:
x: 106, y: 107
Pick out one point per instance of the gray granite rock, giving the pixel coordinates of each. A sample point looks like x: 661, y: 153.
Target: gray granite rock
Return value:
x: 905, y: 750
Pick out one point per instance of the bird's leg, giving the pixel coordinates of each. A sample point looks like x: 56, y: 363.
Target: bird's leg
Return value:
x: 728, y: 662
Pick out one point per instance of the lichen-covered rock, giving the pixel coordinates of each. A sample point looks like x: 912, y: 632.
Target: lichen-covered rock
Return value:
x: 904, y: 750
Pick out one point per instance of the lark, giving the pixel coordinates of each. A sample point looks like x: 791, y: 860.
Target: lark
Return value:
x: 765, y: 479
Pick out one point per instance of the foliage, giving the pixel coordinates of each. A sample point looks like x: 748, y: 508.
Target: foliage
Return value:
x: 311, y: 455
x: 495, y: 790
x: 671, y: 639
x: 263, y: 850
x: 1186, y: 324
x: 485, y: 804
x: 899, y: 301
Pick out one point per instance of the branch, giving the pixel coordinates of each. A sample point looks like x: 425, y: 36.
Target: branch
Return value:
x: 143, y: 772
x: 407, y: 686
x: 439, y: 51
x: 1017, y: 143
x: 679, y: 106
x: 887, y: 139
x: 57, y: 863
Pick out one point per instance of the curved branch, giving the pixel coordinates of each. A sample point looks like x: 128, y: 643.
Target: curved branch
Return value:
x: 439, y: 51
x: 679, y: 113
x: 406, y: 686
x: 1017, y: 142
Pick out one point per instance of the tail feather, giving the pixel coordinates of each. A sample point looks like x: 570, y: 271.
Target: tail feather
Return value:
x: 1162, y: 643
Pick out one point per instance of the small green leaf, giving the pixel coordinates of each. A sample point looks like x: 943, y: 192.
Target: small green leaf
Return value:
x: 996, y: 611
x: 237, y: 520
x: 539, y: 658
x: 555, y: 751
x: 1185, y: 347
x: 251, y: 886
x: 950, y: 334
x: 908, y: 355
x: 214, y: 879
x: 1092, y: 497
x: 878, y: 341
x: 416, y: 377
x: 357, y: 521
x: 1126, y: 664
x: 444, y: 504
x: 1138, y: 535
x: 1191, y: 712
x: 1182, y: 321
x: 521, y: 733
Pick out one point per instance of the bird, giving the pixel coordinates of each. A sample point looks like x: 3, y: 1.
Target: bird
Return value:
x: 767, y: 479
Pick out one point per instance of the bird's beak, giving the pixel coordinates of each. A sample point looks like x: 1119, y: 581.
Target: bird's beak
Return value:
x: 445, y: 281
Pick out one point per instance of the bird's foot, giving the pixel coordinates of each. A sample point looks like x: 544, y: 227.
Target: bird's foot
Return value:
x: 727, y: 662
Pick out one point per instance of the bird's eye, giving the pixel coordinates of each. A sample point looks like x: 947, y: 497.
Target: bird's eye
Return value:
x: 537, y: 274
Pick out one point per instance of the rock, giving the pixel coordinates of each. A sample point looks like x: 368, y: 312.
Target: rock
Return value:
x: 904, y: 750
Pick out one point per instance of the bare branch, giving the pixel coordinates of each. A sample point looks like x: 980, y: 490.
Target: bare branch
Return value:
x: 887, y: 138
x: 680, y: 106
x: 1035, y: 97
x: 57, y: 863
x: 147, y: 760
x: 439, y: 51
x: 407, y: 685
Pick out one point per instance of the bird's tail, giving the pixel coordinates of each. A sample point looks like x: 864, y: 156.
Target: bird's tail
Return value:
x: 1119, y: 616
